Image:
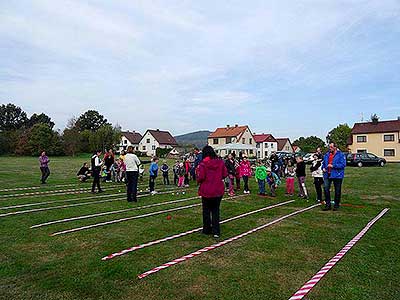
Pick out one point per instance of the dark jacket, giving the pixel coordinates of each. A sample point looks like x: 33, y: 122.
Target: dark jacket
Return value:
x: 230, y: 166
x: 210, y: 175
x: 301, y: 169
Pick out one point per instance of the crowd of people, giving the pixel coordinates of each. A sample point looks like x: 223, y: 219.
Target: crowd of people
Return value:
x: 216, y: 176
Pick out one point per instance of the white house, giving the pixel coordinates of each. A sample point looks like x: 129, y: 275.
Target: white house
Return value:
x: 129, y: 138
x: 233, y: 135
x: 153, y: 139
x: 266, y: 144
x: 285, y: 145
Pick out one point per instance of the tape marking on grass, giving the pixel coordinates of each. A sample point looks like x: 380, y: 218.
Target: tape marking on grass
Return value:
x: 309, y: 285
x: 220, y: 244
x: 168, y: 238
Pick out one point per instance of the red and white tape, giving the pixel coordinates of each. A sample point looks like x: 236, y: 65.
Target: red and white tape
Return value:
x: 168, y: 238
x: 123, y: 219
x: 309, y: 285
x: 220, y: 244
x: 46, y: 193
x: 111, y: 212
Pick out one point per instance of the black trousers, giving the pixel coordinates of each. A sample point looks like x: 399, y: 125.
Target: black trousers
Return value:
x: 211, y: 215
x: 337, y: 184
x: 96, y: 181
x: 45, y: 173
x: 152, y: 182
x: 318, y: 183
x: 108, y: 176
x: 166, y: 179
x: 176, y: 179
x: 131, y: 185
x: 246, y: 183
x: 186, y: 179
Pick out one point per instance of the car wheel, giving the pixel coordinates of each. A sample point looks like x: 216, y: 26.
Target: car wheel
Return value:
x: 359, y: 164
x: 382, y: 164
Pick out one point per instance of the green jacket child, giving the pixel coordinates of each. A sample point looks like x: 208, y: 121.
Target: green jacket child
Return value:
x: 261, y: 172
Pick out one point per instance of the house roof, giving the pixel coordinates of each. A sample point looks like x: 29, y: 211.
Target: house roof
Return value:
x: 231, y: 131
x: 133, y: 137
x: 282, y: 142
x: 380, y: 127
x: 163, y: 137
x: 261, y: 138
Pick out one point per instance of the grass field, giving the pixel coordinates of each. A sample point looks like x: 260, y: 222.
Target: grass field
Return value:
x: 269, y: 264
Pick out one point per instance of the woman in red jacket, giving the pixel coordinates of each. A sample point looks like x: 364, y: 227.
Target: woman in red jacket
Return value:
x: 210, y: 175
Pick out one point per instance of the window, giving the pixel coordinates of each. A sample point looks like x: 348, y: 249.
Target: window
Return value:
x: 258, y: 145
x: 361, y: 151
x: 215, y: 141
x: 228, y: 140
x: 125, y: 142
x: 251, y: 151
x: 153, y: 147
x: 361, y: 139
x: 272, y: 145
x: 388, y: 137
x: 370, y: 155
x: 388, y: 152
x: 148, y: 141
x: 250, y: 141
x: 266, y: 153
x: 266, y: 145
x: 144, y: 148
x: 243, y: 141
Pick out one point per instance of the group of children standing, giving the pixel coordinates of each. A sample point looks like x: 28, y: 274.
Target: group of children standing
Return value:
x: 238, y: 168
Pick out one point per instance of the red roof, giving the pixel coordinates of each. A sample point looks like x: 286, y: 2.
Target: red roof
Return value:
x: 261, y: 138
x: 231, y: 131
x: 282, y: 142
x: 380, y: 127
x: 133, y: 137
x: 163, y: 137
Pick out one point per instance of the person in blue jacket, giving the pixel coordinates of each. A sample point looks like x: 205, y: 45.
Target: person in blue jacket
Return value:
x: 153, y: 170
x: 333, y: 166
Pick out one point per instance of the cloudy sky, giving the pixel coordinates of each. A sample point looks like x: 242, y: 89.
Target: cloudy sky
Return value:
x: 286, y: 67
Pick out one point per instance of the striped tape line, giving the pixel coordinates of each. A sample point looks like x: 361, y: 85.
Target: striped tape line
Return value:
x: 220, y: 244
x: 148, y: 244
x: 124, y: 219
x: 48, y: 186
x: 111, y: 212
x: 306, y: 288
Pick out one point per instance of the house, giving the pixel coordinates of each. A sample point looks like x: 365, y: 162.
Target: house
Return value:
x: 381, y: 138
x: 296, y: 149
x: 285, y: 145
x: 153, y: 139
x: 232, y: 135
x: 129, y: 138
x: 266, y: 144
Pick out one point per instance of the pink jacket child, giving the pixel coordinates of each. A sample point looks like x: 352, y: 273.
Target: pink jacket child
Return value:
x: 245, y: 173
x: 210, y: 175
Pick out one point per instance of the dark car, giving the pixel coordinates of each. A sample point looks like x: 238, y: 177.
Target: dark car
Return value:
x: 364, y: 159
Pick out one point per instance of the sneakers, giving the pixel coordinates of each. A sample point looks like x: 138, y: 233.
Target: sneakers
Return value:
x: 231, y: 194
x: 153, y: 193
x: 246, y: 192
x: 216, y: 236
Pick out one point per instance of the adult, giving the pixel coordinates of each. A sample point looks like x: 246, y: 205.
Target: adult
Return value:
x: 83, y: 173
x: 96, y: 170
x: 44, y: 166
x: 198, y: 157
x: 108, y: 162
x: 132, y: 164
x: 319, y: 153
x: 333, y: 166
x: 153, y: 172
x: 210, y: 175
x: 317, y: 174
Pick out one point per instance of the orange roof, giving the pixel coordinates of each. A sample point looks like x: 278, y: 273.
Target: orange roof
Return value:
x: 231, y: 131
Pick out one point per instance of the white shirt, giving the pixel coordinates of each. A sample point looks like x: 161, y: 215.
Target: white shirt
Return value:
x: 132, y: 162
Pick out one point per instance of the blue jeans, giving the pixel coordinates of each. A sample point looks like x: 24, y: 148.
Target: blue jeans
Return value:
x: 261, y: 186
x: 337, y: 183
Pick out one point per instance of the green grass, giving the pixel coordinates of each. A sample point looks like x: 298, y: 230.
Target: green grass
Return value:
x: 270, y: 264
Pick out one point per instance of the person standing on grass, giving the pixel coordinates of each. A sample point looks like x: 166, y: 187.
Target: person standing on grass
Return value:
x: 210, y: 174
x: 290, y: 173
x: 333, y: 166
x: 153, y: 170
x: 44, y: 166
x: 96, y: 170
x: 108, y: 162
x: 198, y: 157
x: 237, y: 161
x: 317, y: 174
x: 301, y: 177
x: 132, y: 164
x: 245, y: 172
x: 230, y: 166
x: 165, y: 169
x: 261, y: 175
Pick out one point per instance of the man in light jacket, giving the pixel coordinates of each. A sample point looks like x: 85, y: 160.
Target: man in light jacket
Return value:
x: 132, y: 164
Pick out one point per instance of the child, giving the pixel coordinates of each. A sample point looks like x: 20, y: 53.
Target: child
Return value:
x: 290, y: 173
x: 261, y: 175
x: 237, y: 161
x: 273, y: 182
x: 121, y: 171
x: 230, y: 166
x: 301, y: 177
x: 164, y: 170
x: 317, y: 174
x: 181, y: 175
x: 188, y: 167
x: 245, y: 172
x: 175, y: 170
x: 153, y: 175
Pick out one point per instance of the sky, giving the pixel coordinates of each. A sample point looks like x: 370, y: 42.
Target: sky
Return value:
x: 290, y: 68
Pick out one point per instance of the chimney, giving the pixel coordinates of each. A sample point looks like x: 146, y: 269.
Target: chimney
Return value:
x: 227, y: 126
x: 158, y: 129
x: 398, y: 118
x: 236, y: 125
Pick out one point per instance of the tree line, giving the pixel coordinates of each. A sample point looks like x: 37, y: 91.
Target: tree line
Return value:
x: 23, y: 135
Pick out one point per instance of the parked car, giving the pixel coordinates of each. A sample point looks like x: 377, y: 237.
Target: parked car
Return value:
x: 308, y: 158
x: 364, y: 159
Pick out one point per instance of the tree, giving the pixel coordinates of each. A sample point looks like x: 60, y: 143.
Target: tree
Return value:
x: 90, y: 120
x: 40, y: 139
x: 71, y: 138
x: 339, y: 135
x: 104, y: 138
x: 309, y: 144
x: 11, y: 117
x: 42, y: 118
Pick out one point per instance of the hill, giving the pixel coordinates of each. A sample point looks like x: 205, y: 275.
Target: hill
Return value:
x: 197, y: 138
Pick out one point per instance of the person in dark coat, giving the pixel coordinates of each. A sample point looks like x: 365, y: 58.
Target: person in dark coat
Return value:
x: 210, y: 175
